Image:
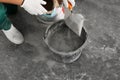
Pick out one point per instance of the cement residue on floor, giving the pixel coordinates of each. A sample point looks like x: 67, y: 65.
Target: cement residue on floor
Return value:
x: 100, y: 59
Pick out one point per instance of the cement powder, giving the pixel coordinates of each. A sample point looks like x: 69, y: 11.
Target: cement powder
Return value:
x: 65, y: 40
x: 49, y: 5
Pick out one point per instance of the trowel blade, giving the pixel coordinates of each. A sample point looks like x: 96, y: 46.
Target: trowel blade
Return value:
x: 67, y: 12
x: 75, y: 23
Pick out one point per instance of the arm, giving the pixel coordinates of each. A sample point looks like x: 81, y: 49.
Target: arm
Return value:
x: 34, y: 7
x: 17, y: 2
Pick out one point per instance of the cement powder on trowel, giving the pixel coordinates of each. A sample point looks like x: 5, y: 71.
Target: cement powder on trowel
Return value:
x: 65, y: 40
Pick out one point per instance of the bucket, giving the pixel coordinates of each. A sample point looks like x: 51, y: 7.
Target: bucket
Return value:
x: 50, y: 16
x: 64, y: 43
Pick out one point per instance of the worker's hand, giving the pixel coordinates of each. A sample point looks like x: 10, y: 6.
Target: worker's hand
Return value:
x: 34, y: 7
x: 69, y: 3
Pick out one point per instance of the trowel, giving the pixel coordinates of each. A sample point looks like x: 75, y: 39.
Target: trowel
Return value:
x: 74, y: 21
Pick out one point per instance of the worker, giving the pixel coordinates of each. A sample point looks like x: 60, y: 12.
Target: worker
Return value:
x: 34, y: 7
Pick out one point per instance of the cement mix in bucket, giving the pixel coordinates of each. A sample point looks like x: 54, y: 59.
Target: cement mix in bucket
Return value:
x: 49, y: 5
x: 64, y: 39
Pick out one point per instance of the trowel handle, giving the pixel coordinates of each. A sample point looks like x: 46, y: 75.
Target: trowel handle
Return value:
x: 70, y: 7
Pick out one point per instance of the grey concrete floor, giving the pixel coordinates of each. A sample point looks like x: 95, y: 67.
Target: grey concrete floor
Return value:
x: 32, y: 60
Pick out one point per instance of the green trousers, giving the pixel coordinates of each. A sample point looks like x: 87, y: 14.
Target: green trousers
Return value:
x: 5, y: 10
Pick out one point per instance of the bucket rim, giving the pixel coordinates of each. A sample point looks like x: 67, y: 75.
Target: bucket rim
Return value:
x: 62, y: 53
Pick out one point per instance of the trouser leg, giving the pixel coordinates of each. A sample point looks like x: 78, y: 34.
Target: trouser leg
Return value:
x: 5, y: 23
x: 11, y: 9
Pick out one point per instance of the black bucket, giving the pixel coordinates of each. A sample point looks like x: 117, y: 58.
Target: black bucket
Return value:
x: 66, y: 45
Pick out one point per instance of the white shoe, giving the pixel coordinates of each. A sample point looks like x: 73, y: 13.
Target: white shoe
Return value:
x: 14, y: 35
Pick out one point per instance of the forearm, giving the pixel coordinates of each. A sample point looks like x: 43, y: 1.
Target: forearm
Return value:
x: 17, y: 2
